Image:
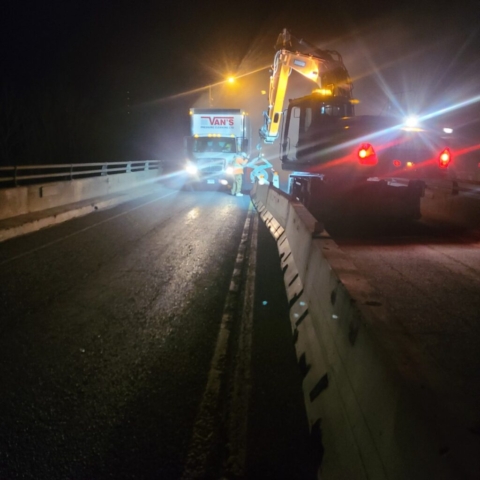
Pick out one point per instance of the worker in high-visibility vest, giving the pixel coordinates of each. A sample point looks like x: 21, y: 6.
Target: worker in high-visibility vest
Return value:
x: 238, y: 163
x: 276, y: 179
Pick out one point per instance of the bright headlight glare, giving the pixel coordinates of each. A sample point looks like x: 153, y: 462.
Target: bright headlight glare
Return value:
x: 191, y: 168
x: 411, y: 121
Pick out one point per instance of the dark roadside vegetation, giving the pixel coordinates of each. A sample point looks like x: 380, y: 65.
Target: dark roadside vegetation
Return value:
x: 61, y: 124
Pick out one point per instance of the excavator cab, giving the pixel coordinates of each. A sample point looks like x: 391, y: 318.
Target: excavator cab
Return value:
x: 310, y: 125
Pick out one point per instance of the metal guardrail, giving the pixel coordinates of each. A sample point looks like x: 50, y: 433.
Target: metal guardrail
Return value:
x: 25, y: 174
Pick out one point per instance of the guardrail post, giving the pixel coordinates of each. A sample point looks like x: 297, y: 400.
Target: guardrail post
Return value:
x: 104, y: 170
x: 15, y: 176
x: 71, y: 171
x: 147, y: 166
x: 129, y: 167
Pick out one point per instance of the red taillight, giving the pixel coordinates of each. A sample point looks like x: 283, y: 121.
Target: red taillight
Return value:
x: 397, y: 163
x: 366, y: 155
x: 445, y: 158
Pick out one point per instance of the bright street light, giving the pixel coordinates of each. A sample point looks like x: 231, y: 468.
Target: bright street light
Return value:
x: 231, y: 80
x: 210, y: 98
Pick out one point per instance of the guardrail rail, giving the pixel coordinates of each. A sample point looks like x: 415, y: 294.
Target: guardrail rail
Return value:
x: 28, y: 174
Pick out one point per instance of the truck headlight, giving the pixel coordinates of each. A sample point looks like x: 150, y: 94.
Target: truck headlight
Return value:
x: 229, y: 170
x: 191, y: 169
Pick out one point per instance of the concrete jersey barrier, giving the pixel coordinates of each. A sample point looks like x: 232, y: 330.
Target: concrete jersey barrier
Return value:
x: 34, y: 198
x: 370, y: 415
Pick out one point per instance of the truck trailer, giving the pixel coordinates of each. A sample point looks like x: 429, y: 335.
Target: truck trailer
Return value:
x: 216, y: 137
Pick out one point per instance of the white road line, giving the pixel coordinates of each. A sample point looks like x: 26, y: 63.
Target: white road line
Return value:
x: 58, y: 240
x: 204, y: 439
x: 239, y: 405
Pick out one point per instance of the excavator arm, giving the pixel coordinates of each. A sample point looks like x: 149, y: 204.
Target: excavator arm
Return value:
x: 320, y: 66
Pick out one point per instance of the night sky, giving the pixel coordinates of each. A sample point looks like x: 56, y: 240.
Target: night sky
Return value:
x: 142, y: 60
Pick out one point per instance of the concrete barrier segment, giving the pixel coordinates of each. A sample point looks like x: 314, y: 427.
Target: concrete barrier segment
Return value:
x: 272, y: 224
x: 259, y: 192
x: 336, y: 447
x: 32, y: 222
x: 299, y: 234
x: 362, y: 386
x: 11, y: 231
x: 285, y: 254
x: 390, y: 428
x: 35, y: 198
x: 339, y: 456
x: 298, y: 314
x: 253, y: 191
x: 278, y: 204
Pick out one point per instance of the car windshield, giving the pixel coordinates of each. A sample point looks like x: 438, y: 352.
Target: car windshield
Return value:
x: 218, y: 145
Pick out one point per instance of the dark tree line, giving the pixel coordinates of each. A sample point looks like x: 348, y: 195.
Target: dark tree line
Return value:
x: 57, y: 124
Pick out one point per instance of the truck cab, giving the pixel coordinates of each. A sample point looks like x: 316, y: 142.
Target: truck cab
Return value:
x: 217, y: 137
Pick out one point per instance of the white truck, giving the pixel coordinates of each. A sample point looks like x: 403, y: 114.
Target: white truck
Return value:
x: 216, y: 137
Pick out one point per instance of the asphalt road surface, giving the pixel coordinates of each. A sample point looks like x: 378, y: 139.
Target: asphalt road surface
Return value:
x: 150, y: 341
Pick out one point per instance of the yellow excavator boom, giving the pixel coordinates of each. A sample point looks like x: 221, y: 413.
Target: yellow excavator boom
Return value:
x: 320, y: 67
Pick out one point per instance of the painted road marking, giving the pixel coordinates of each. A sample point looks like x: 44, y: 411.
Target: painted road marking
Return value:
x: 209, y: 418
x: 239, y: 405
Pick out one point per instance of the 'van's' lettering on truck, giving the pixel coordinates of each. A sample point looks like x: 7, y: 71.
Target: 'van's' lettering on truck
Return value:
x: 217, y: 121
